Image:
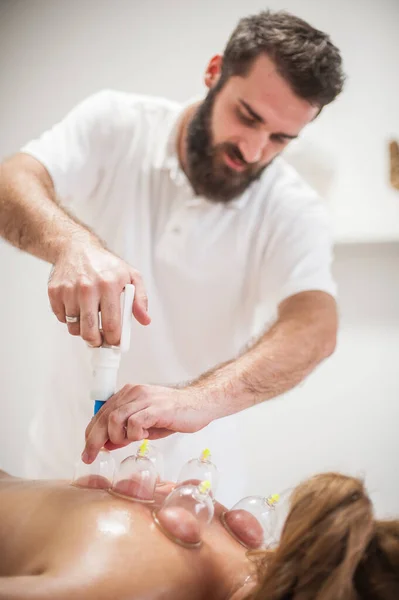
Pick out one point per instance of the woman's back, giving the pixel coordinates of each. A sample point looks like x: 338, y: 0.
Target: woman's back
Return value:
x: 92, y: 544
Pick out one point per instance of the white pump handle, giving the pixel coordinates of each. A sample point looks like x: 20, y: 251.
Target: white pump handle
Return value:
x: 127, y: 298
x: 106, y: 359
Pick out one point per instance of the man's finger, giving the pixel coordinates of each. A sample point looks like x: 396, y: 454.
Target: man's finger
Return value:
x: 111, y: 316
x: 118, y: 420
x: 124, y: 396
x: 89, y: 330
x: 72, y: 309
x: 110, y: 446
x: 146, y: 417
x: 102, y: 427
x: 116, y: 426
x: 104, y: 410
x: 140, y: 303
x: 135, y: 431
x: 56, y: 302
x: 156, y: 434
x: 96, y: 438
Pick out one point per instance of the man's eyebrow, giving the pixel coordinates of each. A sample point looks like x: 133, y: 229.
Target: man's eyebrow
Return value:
x: 251, y: 111
x: 260, y: 119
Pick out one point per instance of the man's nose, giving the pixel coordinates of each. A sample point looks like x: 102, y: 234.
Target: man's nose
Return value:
x: 253, y: 146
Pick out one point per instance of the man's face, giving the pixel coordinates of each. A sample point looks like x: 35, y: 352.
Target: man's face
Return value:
x: 240, y: 128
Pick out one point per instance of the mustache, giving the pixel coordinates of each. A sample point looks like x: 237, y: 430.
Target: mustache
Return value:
x: 234, y: 152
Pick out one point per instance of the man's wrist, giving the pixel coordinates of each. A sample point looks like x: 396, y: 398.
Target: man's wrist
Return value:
x: 77, y: 241
x: 222, y: 391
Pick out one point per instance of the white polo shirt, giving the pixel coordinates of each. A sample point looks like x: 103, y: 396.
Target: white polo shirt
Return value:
x: 206, y: 266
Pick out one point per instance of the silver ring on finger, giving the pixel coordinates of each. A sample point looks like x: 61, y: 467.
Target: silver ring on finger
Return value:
x: 71, y: 319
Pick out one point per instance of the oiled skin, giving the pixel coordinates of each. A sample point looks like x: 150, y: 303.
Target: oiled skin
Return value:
x: 58, y: 541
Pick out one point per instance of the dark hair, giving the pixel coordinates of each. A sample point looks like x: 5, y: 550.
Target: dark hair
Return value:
x: 303, y: 55
x: 331, y: 547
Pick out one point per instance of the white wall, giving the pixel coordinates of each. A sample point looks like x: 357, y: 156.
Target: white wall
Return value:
x: 345, y: 416
x: 53, y: 53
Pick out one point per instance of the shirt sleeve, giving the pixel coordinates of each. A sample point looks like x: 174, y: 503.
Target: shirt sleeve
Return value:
x: 74, y: 150
x: 299, y: 252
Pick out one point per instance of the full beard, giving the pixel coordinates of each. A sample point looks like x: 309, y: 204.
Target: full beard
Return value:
x: 209, y: 175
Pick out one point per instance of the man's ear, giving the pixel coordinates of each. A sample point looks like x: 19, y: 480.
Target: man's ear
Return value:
x: 213, y: 70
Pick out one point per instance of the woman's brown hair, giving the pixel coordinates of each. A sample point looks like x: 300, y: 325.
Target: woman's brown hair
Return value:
x: 331, y: 547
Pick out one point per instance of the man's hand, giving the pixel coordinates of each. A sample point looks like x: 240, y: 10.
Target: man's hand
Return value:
x: 87, y: 278
x: 301, y: 338
x: 146, y: 411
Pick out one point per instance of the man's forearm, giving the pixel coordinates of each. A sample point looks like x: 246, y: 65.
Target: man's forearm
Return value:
x: 301, y: 338
x: 30, y: 217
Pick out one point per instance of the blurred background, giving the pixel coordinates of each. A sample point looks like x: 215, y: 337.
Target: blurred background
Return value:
x: 346, y: 415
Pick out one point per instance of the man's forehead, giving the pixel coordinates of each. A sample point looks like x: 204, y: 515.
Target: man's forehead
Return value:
x: 266, y: 91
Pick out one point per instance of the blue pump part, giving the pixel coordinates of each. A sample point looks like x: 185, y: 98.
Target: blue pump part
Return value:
x: 97, y: 405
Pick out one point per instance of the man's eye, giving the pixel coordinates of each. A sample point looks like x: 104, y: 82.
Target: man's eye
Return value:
x: 278, y: 138
x: 246, y: 120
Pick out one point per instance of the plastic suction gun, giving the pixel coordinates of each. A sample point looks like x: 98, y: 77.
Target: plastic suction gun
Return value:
x: 105, y: 363
x: 106, y: 359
